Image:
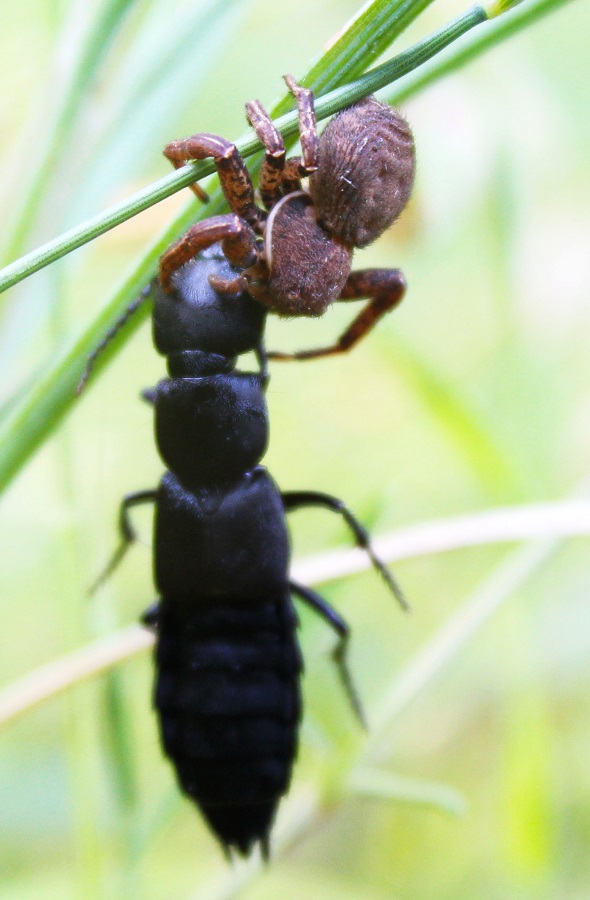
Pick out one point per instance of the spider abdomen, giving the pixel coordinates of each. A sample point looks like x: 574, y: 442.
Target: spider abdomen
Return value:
x: 365, y: 173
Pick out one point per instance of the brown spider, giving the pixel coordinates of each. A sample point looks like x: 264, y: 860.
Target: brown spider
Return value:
x: 295, y: 254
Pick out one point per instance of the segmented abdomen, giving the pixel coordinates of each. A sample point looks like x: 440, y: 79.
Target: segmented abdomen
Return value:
x: 228, y: 695
x: 228, y: 664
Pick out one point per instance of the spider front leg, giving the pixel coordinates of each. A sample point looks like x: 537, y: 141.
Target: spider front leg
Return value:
x: 278, y: 176
x: 385, y: 287
x: 238, y: 241
x: 298, y: 167
x: 308, y: 132
x: 273, y: 164
x: 233, y: 174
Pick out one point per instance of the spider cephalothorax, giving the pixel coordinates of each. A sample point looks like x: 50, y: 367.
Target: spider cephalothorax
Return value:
x: 295, y: 254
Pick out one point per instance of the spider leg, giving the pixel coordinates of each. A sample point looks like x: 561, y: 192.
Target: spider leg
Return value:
x: 308, y: 133
x: 233, y: 174
x: 271, y: 172
x: 385, y: 287
x: 257, y: 272
x: 238, y: 241
x: 298, y: 167
x: 293, y: 172
x: 278, y: 176
x: 229, y: 285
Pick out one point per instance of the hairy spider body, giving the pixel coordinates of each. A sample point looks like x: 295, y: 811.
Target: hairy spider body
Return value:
x: 295, y: 254
x: 313, y: 274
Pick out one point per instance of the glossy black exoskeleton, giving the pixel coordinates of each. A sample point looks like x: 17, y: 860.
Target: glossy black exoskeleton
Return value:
x: 228, y: 663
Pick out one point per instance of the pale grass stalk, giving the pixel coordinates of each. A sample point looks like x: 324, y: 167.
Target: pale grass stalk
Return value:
x: 569, y: 518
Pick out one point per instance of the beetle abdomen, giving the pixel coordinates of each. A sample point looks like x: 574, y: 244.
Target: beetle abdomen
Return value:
x: 228, y: 695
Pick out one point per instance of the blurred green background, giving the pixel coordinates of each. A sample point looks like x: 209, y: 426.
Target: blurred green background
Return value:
x: 474, y: 394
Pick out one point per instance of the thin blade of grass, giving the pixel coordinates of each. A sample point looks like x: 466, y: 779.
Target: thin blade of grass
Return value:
x: 372, y: 782
x: 471, y: 46
x: 144, y: 107
x: 94, y: 45
x: 534, y: 522
x: 513, y: 572
x: 24, y: 428
x: 170, y: 184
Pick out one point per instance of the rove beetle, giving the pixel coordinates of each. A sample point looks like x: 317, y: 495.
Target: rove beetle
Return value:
x: 228, y: 663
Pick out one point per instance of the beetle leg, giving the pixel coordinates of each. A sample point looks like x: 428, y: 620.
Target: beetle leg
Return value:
x: 149, y: 395
x: 339, y: 654
x: 150, y: 617
x: 233, y: 174
x: 296, y: 499
x: 262, y: 359
x: 385, y: 287
x: 238, y: 241
x: 126, y: 531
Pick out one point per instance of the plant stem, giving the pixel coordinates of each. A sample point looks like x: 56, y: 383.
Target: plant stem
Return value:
x: 247, y: 145
x: 549, y: 522
x: 33, y: 416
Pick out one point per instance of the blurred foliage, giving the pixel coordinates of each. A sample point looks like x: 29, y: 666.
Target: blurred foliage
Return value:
x: 474, y: 394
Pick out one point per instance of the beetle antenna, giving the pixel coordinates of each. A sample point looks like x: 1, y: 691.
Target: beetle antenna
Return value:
x: 113, y: 330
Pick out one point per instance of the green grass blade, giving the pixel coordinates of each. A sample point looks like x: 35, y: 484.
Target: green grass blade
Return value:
x: 119, y: 742
x: 30, y: 421
x: 473, y: 45
x: 144, y: 97
x: 514, y: 570
x: 97, y: 40
x: 27, y: 423
x: 366, y: 38
x: 326, y: 105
